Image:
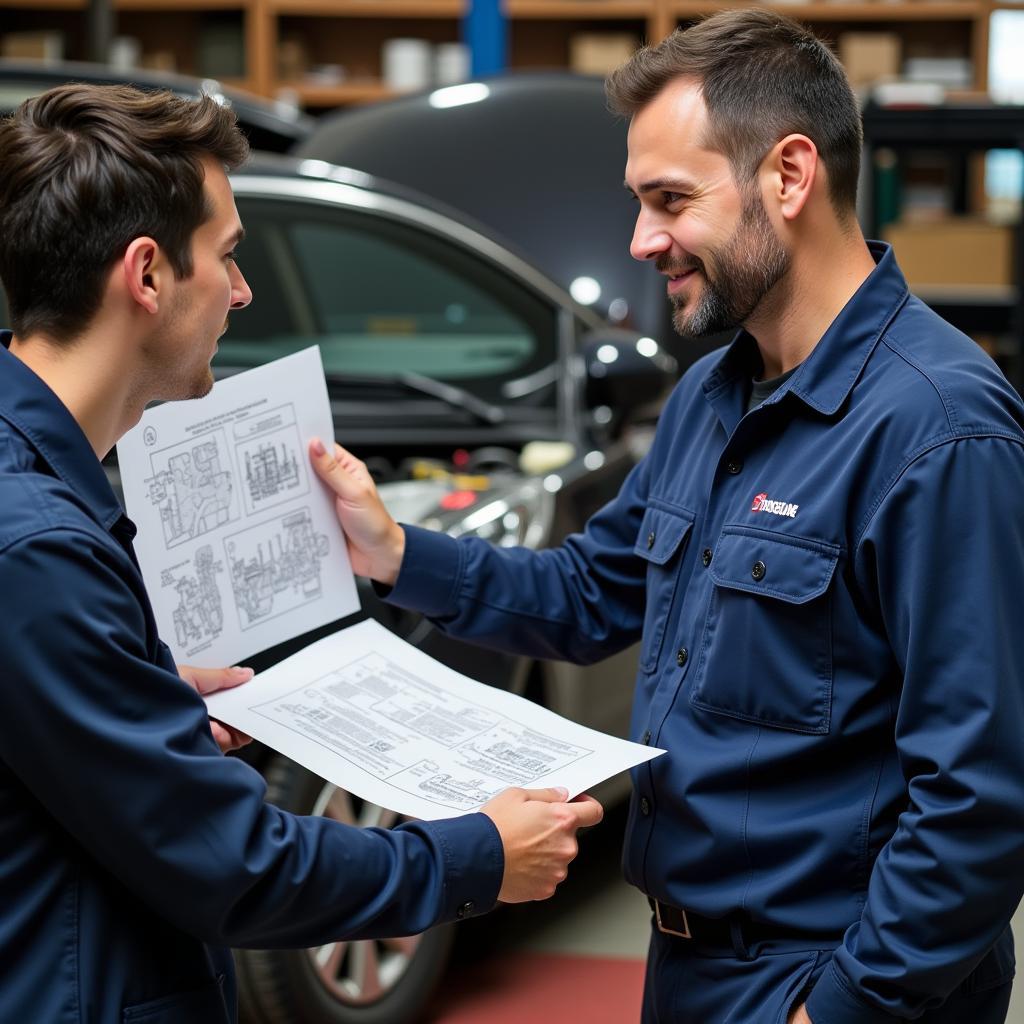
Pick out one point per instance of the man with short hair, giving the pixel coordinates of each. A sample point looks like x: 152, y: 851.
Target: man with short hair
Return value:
x: 133, y: 853
x: 821, y: 555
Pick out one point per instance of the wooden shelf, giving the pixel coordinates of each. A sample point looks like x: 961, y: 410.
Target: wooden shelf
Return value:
x: 909, y: 10
x: 342, y: 94
x: 576, y: 10
x: 371, y: 8
x: 351, y: 32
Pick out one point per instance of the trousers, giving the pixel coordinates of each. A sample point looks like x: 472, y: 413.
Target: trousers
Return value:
x: 685, y: 984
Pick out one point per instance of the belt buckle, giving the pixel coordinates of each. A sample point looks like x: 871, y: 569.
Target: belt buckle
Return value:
x: 685, y: 934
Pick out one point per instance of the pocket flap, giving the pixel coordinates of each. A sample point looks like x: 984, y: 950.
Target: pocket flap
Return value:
x: 793, y: 569
x: 661, y: 533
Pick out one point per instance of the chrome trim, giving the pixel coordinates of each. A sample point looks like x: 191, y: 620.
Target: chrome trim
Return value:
x: 336, y: 193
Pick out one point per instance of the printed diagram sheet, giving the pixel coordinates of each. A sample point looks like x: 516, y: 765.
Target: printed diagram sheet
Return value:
x: 238, y: 542
x: 375, y: 716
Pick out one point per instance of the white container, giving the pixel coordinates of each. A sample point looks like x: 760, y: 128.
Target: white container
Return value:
x: 407, y: 64
x: 451, y: 64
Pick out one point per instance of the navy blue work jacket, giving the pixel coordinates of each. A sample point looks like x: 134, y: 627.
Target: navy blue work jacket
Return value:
x: 131, y: 851
x: 827, y: 590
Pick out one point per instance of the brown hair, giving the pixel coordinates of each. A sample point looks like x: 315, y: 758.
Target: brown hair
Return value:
x: 763, y: 76
x: 84, y: 170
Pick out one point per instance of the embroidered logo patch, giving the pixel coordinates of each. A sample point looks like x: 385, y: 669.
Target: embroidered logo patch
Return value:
x: 762, y: 503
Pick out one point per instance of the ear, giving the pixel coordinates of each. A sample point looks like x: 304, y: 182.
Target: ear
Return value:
x: 792, y: 168
x: 145, y: 269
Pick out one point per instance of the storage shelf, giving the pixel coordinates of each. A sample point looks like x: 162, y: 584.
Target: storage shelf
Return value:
x: 370, y: 8
x: 577, y: 10
x: 911, y: 10
x: 338, y: 95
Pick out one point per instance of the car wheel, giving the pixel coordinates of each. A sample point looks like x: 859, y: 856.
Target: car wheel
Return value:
x: 376, y: 981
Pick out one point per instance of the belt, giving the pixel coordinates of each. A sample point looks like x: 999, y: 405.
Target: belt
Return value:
x: 736, y: 931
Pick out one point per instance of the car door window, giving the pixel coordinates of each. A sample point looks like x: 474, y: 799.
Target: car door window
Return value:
x: 381, y: 297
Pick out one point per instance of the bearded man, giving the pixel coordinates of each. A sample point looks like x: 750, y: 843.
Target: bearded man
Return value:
x: 821, y: 555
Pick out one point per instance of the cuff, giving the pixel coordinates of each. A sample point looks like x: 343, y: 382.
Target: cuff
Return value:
x: 474, y: 864
x: 833, y: 1001
x: 429, y: 576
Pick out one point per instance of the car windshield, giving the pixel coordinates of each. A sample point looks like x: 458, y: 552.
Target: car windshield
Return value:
x: 385, y: 299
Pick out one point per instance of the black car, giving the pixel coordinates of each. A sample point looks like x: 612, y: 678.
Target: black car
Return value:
x: 485, y: 401
x: 539, y: 159
x: 270, y: 127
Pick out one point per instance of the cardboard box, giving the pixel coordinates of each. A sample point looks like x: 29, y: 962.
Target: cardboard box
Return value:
x: 870, y: 57
x: 598, y: 53
x: 956, y: 252
x: 45, y: 46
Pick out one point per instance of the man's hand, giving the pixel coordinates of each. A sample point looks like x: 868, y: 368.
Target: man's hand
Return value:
x: 538, y: 831
x: 799, y: 1016
x: 376, y: 543
x: 210, y: 680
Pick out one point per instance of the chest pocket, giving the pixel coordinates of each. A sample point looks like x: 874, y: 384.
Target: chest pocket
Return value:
x: 660, y: 543
x: 766, y: 652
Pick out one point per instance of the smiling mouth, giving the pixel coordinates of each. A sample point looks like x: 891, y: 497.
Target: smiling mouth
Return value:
x: 677, y: 280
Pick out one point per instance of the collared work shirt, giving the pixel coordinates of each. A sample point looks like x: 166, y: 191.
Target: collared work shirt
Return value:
x: 131, y: 851
x: 827, y: 593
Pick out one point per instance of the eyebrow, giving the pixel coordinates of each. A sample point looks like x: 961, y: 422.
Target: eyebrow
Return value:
x: 237, y: 237
x: 662, y: 184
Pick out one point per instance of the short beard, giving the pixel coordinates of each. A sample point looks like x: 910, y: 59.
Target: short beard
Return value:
x: 746, y: 268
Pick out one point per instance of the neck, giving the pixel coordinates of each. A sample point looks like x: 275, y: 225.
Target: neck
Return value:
x: 791, y: 320
x: 93, y: 380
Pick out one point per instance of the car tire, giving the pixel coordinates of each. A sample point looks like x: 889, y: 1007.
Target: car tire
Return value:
x: 382, y: 981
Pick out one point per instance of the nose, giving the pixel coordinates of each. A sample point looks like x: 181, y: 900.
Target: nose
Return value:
x: 241, y: 293
x: 650, y: 239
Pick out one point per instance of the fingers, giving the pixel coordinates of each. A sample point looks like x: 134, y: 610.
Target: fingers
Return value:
x: 210, y: 680
x: 338, y: 468
x: 587, y: 811
x: 553, y: 795
x: 227, y: 737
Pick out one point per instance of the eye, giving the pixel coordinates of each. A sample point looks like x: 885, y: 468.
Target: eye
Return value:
x: 232, y: 256
x: 671, y: 197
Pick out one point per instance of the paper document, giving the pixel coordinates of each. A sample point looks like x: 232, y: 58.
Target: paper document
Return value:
x: 381, y: 719
x: 238, y: 541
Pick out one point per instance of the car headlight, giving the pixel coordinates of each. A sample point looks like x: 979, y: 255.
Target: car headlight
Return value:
x: 522, y: 517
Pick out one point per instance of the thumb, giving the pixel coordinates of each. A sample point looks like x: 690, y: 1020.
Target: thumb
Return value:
x: 554, y: 795
x: 210, y: 680
x: 337, y: 468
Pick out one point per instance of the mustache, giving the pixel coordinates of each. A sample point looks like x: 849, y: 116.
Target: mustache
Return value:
x: 666, y: 264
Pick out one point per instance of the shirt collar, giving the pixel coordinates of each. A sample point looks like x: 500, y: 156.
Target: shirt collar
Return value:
x: 31, y: 408
x: 828, y: 374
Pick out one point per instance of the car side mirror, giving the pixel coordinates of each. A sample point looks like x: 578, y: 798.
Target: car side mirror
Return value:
x: 626, y: 373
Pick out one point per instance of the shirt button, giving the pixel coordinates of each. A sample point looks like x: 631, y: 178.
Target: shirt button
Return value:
x: 650, y: 541
x: 758, y: 571
x: 706, y: 557
x: 733, y: 467
x: 645, y: 805
x: 465, y: 910
x: 646, y: 737
x: 681, y: 655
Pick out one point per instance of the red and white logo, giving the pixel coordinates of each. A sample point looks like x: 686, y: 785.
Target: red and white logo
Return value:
x: 762, y: 503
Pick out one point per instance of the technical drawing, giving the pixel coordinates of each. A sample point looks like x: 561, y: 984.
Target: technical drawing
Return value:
x: 275, y: 567
x: 192, y: 488
x: 199, y: 615
x: 269, y: 471
x: 271, y: 458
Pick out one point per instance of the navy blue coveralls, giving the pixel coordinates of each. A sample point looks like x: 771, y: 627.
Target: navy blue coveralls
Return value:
x: 132, y: 853
x: 827, y: 591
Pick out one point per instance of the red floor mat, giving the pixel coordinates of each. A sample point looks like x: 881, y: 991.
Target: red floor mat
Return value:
x: 526, y: 987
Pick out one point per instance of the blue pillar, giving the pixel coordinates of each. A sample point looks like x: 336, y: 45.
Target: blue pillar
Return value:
x: 486, y: 33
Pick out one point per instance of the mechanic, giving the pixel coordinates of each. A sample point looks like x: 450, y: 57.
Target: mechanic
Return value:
x: 133, y: 852
x: 821, y: 556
